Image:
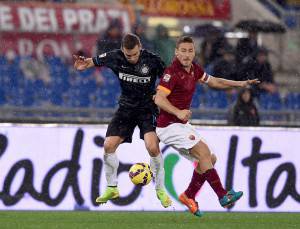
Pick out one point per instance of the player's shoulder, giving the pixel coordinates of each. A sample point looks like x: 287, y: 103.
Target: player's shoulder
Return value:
x: 150, y: 55
x: 198, y: 67
x: 171, y: 69
x: 116, y: 52
x: 112, y: 53
x: 170, y: 73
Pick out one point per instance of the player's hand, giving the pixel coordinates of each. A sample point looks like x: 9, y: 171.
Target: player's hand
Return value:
x: 268, y: 87
x: 184, y: 115
x: 81, y: 62
x: 247, y: 83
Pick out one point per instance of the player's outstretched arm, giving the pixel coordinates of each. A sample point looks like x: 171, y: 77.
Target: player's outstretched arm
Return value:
x: 220, y: 83
x: 82, y: 63
x: 163, y: 103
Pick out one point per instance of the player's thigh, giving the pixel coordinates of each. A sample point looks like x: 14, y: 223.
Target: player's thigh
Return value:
x: 146, y: 122
x: 201, y: 151
x: 122, y: 125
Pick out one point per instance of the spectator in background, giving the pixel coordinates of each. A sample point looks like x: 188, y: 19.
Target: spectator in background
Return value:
x: 246, y: 46
x: 244, y: 112
x: 206, y: 48
x: 283, y: 3
x: 111, y: 39
x: 34, y: 69
x: 10, y: 56
x: 164, y: 46
x: 79, y: 49
x: 139, y: 30
x: 96, y: 73
x: 212, y: 47
x: 225, y: 66
x: 258, y: 66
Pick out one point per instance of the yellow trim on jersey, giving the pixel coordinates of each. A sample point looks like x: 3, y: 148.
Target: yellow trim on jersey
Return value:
x: 167, y: 90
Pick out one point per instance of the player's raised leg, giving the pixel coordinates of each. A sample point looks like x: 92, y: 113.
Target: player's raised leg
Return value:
x: 197, y: 180
x: 111, y: 164
x: 157, y: 166
x: 203, y: 155
x: 188, y: 196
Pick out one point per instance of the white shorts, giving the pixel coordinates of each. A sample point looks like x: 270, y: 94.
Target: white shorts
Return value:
x: 181, y: 137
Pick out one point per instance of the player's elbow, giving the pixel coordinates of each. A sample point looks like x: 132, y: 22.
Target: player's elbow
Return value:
x: 216, y: 83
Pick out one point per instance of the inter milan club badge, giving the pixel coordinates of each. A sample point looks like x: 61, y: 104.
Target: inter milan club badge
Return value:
x: 145, y: 69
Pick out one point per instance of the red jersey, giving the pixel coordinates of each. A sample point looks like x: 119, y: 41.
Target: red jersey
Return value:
x: 181, y: 86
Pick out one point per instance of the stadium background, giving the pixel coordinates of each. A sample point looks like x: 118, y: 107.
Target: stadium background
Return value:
x: 51, y: 113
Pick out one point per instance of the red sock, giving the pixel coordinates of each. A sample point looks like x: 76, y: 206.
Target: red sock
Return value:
x: 195, y: 185
x: 213, y: 179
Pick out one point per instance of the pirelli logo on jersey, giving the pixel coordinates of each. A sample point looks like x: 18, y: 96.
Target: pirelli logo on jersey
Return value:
x: 133, y: 78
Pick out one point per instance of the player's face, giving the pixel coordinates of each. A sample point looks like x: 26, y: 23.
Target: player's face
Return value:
x: 185, y: 53
x: 132, y: 55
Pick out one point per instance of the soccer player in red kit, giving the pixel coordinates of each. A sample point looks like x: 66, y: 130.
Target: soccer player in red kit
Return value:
x: 173, y: 97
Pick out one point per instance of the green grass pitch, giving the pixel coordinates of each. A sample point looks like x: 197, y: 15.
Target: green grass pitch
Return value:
x: 145, y: 220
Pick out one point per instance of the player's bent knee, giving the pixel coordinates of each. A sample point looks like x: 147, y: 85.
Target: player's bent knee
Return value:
x: 111, y: 143
x: 110, y: 147
x: 198, y: 168
x: 153, y: 150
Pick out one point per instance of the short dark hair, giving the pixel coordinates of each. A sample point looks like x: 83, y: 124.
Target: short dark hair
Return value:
x: 130, y: 40
x: 184, y: 39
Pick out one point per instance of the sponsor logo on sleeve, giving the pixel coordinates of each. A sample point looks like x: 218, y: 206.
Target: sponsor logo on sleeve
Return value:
x: 166, y: 78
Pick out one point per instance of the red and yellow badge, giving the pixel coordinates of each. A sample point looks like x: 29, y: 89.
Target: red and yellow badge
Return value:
x: 166, y: 78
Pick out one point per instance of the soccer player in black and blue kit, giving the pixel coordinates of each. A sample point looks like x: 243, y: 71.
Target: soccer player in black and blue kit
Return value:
x: 137, y: 70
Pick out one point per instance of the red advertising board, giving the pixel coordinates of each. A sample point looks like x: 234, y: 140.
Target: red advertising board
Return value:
x: 205, y: 9
x: 35, y: 28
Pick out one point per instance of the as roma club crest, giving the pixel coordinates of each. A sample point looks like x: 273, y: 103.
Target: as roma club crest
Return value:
x: 192, y: 137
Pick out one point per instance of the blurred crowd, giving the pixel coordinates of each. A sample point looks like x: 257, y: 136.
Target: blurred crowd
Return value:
x: 247, y: 60
x: 289, y: 4
x: 242, y: 61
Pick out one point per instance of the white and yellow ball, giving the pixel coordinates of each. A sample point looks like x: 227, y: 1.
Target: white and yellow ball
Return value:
x: 140, y: 174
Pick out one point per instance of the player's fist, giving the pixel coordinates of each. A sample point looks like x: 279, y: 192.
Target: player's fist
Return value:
x: 184, y: 115
x: 81, y: 62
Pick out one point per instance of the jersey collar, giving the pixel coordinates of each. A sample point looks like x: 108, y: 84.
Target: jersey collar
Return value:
x: 176, y: 63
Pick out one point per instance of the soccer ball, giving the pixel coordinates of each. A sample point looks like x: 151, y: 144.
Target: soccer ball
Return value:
x: 140, y: 174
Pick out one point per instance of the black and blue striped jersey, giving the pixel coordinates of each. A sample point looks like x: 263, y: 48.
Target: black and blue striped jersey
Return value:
x: 137, y: 81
